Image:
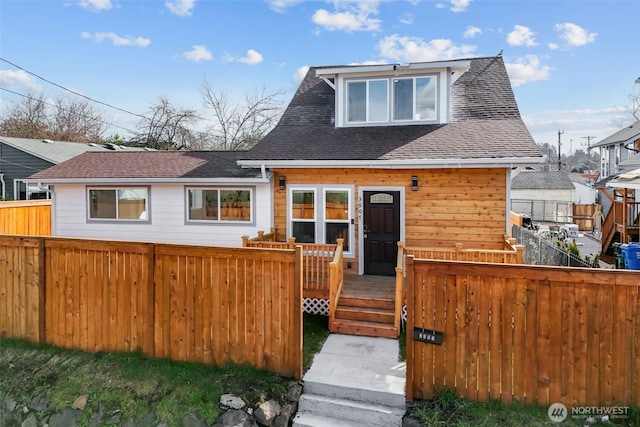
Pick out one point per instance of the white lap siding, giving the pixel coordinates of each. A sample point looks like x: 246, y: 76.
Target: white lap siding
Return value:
x: 168, y: 222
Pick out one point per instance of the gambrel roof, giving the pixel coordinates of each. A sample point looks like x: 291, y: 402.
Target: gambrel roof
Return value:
x: 485, y: 126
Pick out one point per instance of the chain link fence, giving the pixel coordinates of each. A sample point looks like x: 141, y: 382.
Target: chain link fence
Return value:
x: 539, y: 250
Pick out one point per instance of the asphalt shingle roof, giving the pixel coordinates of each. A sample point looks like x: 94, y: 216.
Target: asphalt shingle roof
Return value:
x: 55, y: 151
x: 150, y: 164
x: 485, y: 123
x: 542, y: 180
x: 628, y: 134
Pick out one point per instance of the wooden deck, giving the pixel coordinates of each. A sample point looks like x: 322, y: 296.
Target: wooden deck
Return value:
x: 366, y: 306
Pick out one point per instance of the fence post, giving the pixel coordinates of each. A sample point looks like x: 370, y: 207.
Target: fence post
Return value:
x: 410, y: 356
x: 298, y: 315
x: 42, y: 291
x: 292, y: 242
x: 245, y: 241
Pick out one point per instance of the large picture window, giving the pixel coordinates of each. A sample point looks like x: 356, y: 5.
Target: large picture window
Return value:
x: 219, y: 205
x: 125, y: 203
x: 321, y: 215
x: 412, y: 99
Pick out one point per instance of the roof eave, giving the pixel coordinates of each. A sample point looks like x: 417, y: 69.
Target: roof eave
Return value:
x: 501, y: 162
x: 137, y: 181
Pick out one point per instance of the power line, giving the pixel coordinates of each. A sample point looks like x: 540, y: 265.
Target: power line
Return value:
x: 73, y: 92
x: 55, y: 106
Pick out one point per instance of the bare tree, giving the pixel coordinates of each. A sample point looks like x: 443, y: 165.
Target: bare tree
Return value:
x: 240, y: 127
x: 167, y: 127
x: 62, y: 119
x: 634, y: 99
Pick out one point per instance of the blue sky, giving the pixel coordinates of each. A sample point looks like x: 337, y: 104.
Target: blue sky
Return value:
x: 572, y: 64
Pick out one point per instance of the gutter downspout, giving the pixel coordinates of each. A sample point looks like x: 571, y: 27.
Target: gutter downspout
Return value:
x: 3, y: 193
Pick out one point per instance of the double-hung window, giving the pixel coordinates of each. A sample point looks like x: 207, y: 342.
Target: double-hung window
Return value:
x: 219, y: 205
x: 321, y: 215
x: 122, y: 203
x: 393, y: 99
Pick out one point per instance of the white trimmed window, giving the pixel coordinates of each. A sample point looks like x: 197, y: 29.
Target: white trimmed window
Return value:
x: 321, y: 215
x: 118, y: 203
x: 227, y: 205
x: 410, y: 99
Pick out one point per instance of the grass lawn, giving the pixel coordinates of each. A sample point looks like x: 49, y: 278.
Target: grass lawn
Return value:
x: 136, y: 385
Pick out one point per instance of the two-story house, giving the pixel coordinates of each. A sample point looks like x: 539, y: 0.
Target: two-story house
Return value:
x: 374, y: 154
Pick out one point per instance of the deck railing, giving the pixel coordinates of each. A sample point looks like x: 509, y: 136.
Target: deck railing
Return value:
x: 336, y: 281
x: 511, y: 254
x: 316, y: 258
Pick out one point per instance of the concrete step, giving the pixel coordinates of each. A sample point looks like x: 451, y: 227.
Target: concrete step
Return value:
x: 351, y: 410
x: 316, y: 420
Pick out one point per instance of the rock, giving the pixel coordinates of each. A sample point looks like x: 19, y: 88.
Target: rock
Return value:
x: 66, y: 418
x: 192, y: 420
x: 40, y: 402
x: 149, y: 420
x: 96, y: 418
x: 231, y: 401
x: 9, y: 403
x: 31, y: 421
x: 267, y: 412
x: 162, y: 424
x: 114, y: 419
x: 294, y: 391
x: 235, y: 418
x: 131, y: 422
x: 80, y: 402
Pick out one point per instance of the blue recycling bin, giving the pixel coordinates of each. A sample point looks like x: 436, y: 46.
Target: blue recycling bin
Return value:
x: 632, y: 256
x: 623, y: 252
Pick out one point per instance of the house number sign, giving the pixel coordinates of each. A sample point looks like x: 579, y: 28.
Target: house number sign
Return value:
x: 427, y: 335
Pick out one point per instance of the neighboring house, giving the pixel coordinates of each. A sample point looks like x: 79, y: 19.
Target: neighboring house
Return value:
x: 617, y: 148
x: 200, y: 197
x: 21, y: 157
x: 543, y: 195
x: 374, y: 154
x: 586, y: 193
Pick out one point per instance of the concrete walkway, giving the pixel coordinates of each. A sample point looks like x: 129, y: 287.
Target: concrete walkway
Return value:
x: 354, y: 381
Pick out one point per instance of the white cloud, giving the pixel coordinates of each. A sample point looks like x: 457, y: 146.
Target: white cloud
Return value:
x: 471, y: 32
x: 300, y: 74
x: 574, y: 35
x: 527, y: 69
x: 521, y: 36
x: 553, y: 46
x: 253, y: 58
x: 180, y: 7
x: 281, y: 5
x: 96, y: 5
x: 459, y: 5
x: 414, y: 49
x: 407, y: 19
x: 198, y: 53
x: 117, y: 40
x: 18, y: 79
x: 349, y: 16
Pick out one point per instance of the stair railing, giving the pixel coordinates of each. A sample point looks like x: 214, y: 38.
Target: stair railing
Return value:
x: 336, y: 281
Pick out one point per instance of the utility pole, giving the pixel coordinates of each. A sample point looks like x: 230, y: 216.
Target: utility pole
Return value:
x: 559, y: 151
x: 588, y: 138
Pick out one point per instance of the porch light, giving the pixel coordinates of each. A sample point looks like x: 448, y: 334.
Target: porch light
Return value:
x: 414, y: 183
x: 281, y: 181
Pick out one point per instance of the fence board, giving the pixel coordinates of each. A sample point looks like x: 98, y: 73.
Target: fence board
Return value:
x: 26, y: 218
x: 535, y: 334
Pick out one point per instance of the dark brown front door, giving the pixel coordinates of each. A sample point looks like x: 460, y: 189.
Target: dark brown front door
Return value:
x: 381, y: 230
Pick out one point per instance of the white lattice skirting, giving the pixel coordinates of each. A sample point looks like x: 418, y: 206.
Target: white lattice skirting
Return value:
x: 316, y: 306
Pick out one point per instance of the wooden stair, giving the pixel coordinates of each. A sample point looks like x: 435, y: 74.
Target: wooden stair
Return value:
x: 367, y: 312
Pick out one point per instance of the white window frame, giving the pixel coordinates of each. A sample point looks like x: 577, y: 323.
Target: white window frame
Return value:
x: 320, y: 219
x: 435, y: 77
x: 147, y: 203
x: 252, y: 195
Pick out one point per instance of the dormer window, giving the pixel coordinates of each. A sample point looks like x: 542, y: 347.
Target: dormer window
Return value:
x: 392, y: 99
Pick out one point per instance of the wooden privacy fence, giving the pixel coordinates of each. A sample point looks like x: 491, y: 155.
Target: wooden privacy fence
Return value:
x: 200, y: 304
x: 26, y: 218
x: 532, y: 334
